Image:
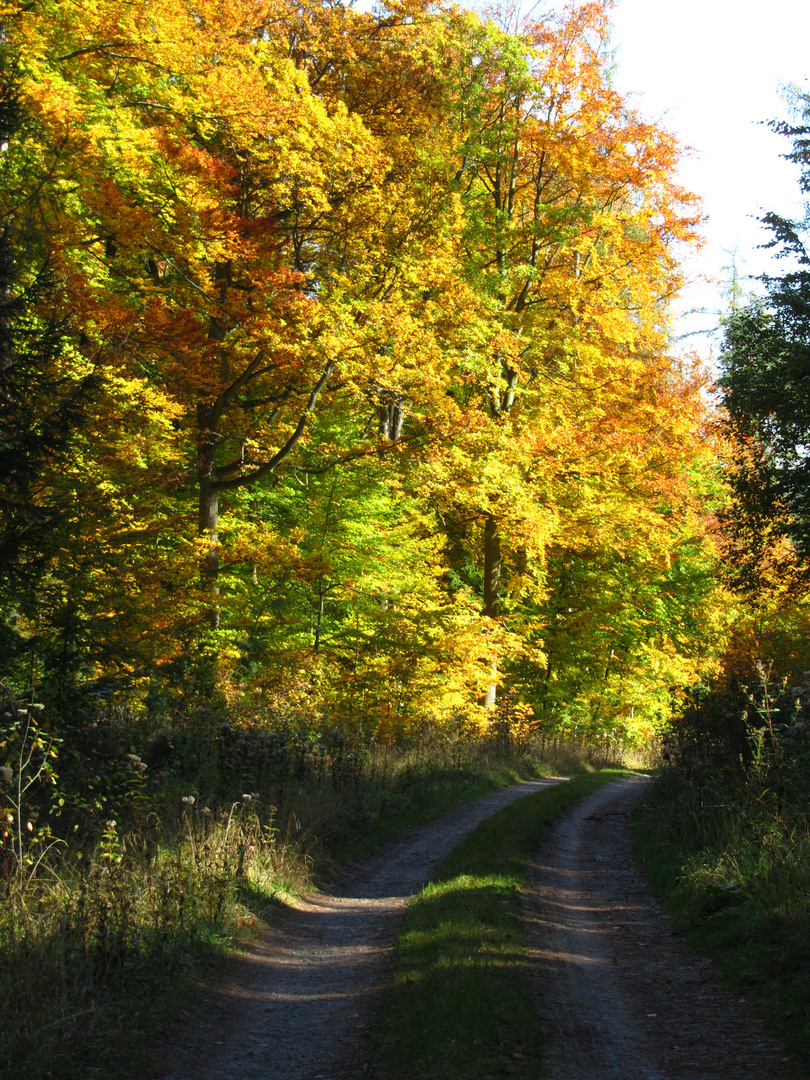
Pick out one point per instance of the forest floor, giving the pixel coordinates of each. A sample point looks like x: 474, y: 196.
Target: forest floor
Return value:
x: 618, y: 995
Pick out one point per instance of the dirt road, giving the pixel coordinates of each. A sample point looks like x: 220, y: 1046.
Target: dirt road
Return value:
x: 619, y: 996
x: 299, y: 1006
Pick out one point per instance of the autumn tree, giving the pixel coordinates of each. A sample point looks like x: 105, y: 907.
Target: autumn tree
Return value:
x: 253, y: 248
x: 46, y: 397
x: 80, y: 439
x: 374, y: 309
x: 571, y: 215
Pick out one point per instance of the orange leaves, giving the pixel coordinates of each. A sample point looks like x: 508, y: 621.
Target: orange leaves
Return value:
x: 300, y: 238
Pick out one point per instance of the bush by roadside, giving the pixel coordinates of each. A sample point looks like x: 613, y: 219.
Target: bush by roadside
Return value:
x: 725, y: 843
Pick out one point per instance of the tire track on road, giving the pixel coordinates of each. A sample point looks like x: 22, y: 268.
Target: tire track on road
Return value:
x: 620, y: 997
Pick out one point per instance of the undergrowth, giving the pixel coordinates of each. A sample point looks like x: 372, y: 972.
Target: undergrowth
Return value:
x: 738, y: 886
x: 99, y: 948
x: 725, y: 843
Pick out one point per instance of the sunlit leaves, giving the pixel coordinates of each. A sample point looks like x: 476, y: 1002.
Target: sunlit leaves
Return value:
x: 349, y: 286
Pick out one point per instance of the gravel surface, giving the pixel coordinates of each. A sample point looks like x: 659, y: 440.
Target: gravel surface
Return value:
x: 298, y: 1007
x: 620, y: 997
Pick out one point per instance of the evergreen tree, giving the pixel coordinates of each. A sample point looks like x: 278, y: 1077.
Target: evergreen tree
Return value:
x: 765, y: 365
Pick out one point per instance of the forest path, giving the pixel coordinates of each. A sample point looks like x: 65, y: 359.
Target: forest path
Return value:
x: 620, y: 997
x: 298, y: 1006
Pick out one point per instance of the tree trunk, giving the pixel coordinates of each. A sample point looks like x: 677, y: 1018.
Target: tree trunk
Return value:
x: 492, y: 592
x: 9, y: 119
x: 391, y: 416
x: 316, y: 646
x: 209, y: 515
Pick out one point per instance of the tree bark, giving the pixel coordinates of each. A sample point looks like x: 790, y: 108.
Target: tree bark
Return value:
x: 391, y: 417
x: 492, y: 593
x: 208, y: 521
x: 317, y: 643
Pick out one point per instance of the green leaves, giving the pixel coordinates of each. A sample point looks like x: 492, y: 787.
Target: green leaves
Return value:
x: 324, y: 299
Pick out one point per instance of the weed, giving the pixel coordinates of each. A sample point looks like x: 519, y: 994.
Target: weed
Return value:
x: 96, y: 942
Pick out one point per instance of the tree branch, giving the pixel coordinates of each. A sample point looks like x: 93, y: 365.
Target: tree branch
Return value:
x: 286, y: 449
x: 103, y: 47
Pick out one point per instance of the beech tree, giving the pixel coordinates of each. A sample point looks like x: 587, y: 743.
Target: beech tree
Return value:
x: 72, y: 431
x: 571, y: 216
x: 374, y: 311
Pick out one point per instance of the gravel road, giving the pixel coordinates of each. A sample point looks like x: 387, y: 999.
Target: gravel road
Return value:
x: 298, y: 1007
x: 619, y: 995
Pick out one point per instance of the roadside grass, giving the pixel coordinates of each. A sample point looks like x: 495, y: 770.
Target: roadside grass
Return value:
x: 101, y: 951
x: 403, y: 790
x: 460, y: 1004
x: 399, y: 791
x: 737, y: 884
x: 103, y: 946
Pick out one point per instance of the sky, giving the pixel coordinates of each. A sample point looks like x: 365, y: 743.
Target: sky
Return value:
x: 712, y: 72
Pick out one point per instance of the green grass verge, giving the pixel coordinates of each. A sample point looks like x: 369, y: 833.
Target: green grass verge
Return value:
x: 460, y: 1004
x: 738, y: 892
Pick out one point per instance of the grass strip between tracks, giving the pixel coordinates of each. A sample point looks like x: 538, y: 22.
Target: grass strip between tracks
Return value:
x: 460, y: 1004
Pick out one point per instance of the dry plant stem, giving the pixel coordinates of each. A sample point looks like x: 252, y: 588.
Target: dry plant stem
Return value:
x: 15, y: 812
x: 619, y: 996
x: 299, y: 1005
